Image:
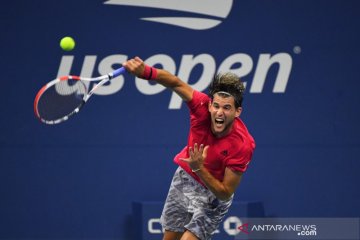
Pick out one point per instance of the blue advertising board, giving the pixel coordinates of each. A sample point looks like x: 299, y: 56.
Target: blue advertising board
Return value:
x: 79, y: 179
x: 147, y: 224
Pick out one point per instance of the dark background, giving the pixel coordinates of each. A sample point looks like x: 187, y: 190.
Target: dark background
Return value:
x: 78, y: 179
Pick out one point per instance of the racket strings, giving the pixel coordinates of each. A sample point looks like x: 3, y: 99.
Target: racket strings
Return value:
x: 69, y: 87
x: 61, y: 99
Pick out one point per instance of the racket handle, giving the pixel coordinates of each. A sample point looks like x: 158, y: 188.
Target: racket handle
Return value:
x: 118, y: 72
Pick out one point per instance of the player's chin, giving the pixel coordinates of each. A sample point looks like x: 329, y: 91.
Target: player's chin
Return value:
x: 218, y: 129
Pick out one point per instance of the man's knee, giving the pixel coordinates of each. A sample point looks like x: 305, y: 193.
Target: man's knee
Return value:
x: 189, y: 236
x: 168, y: 235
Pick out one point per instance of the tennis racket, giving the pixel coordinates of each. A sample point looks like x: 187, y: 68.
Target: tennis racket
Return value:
x: 64, y: 96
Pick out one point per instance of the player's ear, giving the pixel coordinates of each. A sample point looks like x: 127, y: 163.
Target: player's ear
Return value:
x: 238, y: 112
x: 209, y: 104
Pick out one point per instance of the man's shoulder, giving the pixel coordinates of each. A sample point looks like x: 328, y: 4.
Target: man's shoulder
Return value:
x: 198, y: 99
x: 200, y: 95
x: 243, y: 136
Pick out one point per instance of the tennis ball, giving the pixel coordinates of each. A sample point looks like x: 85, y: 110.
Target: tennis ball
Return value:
x: 67, y: 43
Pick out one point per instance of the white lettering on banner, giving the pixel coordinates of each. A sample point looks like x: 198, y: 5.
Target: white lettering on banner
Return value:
x: 167, y: 63
x: 105, y: 66
x: 152, y: 228
x: 246, y: 64
x: 264, y: 64
x: 230, y: 226
x: 187, y: 64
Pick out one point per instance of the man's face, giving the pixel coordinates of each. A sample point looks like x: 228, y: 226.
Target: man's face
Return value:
x: 223, y: 113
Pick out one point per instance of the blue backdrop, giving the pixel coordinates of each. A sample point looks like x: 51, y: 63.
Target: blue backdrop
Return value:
x: 300, y: 62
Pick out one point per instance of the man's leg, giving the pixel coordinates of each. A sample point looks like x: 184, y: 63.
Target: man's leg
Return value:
x: 168, y: 235
x: 188, y: 236
x: 175, y: 213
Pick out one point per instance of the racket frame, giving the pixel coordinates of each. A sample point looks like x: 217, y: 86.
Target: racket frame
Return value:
x: 101, y: 81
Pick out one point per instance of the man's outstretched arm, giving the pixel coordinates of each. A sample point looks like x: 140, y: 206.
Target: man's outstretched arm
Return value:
x: 136, y: 66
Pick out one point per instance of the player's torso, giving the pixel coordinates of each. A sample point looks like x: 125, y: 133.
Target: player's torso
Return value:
x: 220, y: 149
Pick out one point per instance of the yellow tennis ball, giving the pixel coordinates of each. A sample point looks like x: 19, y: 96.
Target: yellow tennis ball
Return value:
x: 67, y: 43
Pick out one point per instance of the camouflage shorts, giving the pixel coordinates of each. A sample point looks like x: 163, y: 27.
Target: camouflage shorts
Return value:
x: 191, y: 206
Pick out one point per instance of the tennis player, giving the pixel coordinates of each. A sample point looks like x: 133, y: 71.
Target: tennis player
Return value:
x: 212, y: 164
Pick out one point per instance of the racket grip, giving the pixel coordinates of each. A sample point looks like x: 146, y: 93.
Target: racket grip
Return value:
x: 118, y: 72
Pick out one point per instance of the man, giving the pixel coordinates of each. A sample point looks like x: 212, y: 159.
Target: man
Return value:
x: 217, y: 154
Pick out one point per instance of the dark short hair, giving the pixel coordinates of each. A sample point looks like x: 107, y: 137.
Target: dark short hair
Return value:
x: 229, y: 83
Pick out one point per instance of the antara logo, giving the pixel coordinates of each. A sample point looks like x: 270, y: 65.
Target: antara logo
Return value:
x: 210, y: 13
